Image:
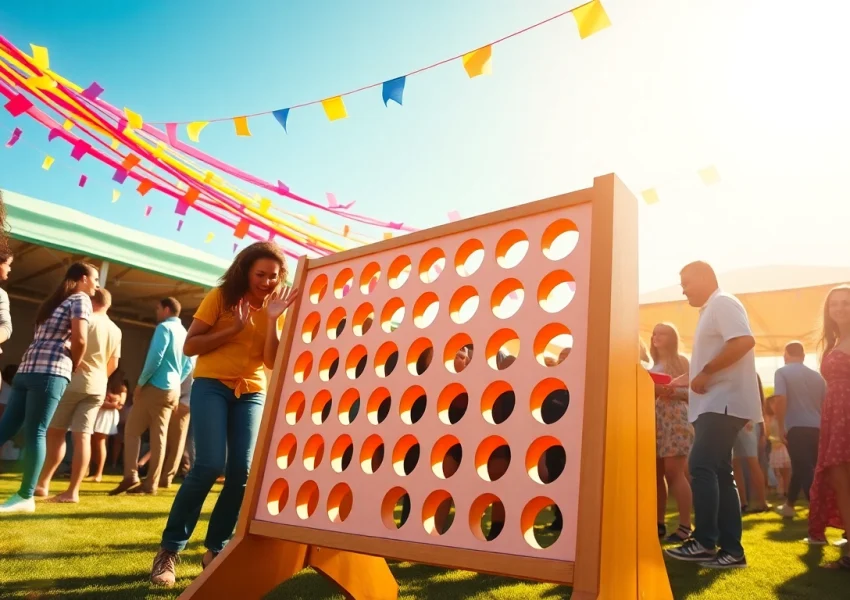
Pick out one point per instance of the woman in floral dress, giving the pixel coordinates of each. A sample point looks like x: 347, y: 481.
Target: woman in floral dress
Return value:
x: 674, y: 434
x: 830, y: 493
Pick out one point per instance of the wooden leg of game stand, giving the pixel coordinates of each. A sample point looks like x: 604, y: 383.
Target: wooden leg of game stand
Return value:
x: 249, y: 567
x: 359, y: 577
x: 652, y: 572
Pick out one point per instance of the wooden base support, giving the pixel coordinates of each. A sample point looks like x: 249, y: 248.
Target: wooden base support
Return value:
x: 252, y: 566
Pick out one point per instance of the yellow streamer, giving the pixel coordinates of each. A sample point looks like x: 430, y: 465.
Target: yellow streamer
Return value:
x: 48, y: 162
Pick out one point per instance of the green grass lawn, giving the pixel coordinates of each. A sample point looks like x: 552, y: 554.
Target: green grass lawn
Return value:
x: 103, y: 548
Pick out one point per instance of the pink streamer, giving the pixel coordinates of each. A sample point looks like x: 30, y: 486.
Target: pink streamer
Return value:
x: 16, y: 135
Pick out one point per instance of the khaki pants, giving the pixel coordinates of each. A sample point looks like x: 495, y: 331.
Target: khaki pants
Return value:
x: 152, y: 409
x: 178, y: 427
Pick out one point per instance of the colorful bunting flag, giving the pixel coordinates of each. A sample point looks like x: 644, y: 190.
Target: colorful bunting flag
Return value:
x: 281, y: 116
x: 134, y: 120
x: 144, y: 187
x: 477, y: 62
x: 393, y: 90
x: 48, y: 162
x: 80, y: 149
x: 83, y: 180
x: 210, y: 237
x: 194, y: 130
x: 388, y: 235
x: 182, y: 208
x: 92, y: 92
x: 346, y: 230
x: 334, y: 108
x: 650, y: 196
x: 40, y: 57
x: 120, y: 175
x: 241, y: 229
x: 241, y: 124
x: 115, y: 195
x: 191, y: 195
x: 53, y: 134
x: 18, y: 105
x: 171, y: 132
x: 16, y: 135
x: 179, y: 224
x: 265, y: 205
x: 148, y: 210
x: 115, y: 144
x: 591, y: 18
x: 709, y: 175
x: 130, y: 161
x: 68, y: 126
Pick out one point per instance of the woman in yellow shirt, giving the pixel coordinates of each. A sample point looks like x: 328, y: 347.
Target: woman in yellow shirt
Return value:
x: 235, y: 336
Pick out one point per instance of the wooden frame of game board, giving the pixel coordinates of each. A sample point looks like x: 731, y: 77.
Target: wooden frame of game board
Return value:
x: 617, y: 552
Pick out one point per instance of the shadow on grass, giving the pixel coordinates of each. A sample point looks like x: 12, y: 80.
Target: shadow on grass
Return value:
x: 423, y: 582
x: 96, y: 588
x: 689, y: 579
x: 815, y: 581
x: 63, y: 515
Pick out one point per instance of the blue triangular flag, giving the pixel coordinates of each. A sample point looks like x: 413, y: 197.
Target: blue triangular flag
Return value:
x: 281, y: 115
x: 393, y: 90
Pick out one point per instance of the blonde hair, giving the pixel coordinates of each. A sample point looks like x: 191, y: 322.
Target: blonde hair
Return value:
x: 830, y: 335
x: 675, y: 366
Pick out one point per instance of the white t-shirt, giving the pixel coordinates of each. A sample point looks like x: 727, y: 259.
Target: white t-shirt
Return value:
x: 735, y: 389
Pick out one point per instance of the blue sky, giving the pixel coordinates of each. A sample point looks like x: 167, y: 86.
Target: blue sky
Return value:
x: 670, y: 88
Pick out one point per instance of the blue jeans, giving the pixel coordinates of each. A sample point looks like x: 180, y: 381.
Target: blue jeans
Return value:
x: 717, y: 506
x: 225, y: 432
x: 33, y: 401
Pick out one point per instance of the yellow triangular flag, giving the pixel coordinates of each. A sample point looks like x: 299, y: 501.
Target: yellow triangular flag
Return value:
x: 709, y: 175
x: 334, y: 108
x: 241, y: 124
x: 208, y: 176
x: 40, y: 57
x: 194, y: 129
x: 115, y: 144
x: 115, y: 195
x: 477, y: 62
x: 313, y: 220
x: 159, y: 151
x: 210, y: 237
x: 388, y: 235
x: 265, y: 205
x: 68, y: 126
x: 591, y: 18
x: 48, y: 162
x: 650, y: 196
x: 134, y: 120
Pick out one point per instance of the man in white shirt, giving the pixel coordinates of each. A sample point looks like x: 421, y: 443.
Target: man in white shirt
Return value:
x: 723, y: 397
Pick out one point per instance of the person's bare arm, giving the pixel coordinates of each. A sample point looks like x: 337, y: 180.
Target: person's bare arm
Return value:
x: 780, y: 408
x: 79, y: 337
x: 112, y: 365
x: 732, y: 351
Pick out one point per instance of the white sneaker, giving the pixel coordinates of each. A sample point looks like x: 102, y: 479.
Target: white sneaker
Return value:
x: 787, y: 511
x: 16, y: 504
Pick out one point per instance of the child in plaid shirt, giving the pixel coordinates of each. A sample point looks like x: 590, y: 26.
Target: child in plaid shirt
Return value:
x: 44, y: 373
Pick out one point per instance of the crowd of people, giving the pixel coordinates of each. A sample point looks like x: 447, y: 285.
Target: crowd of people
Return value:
x: 718, y: 437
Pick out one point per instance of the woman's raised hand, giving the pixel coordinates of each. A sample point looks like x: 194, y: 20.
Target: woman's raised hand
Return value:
x: 280, y: 300
x: 241, y: 314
